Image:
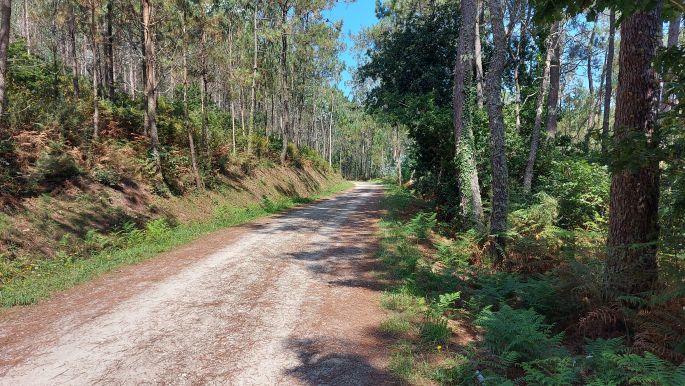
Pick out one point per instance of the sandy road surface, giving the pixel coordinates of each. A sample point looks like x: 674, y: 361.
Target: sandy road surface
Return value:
x: 286, y: 300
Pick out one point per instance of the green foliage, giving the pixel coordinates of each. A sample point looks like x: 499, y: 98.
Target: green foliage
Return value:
x: 434, y: 330
x: 56, y: 164
x: 519, y: 334
x: 106, y: 176
x: 582, y: 190
x: 421, y: 224
x: 554, y: 371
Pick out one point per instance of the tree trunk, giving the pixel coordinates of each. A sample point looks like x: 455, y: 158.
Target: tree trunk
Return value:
x: 517, y: 66
x: 468, y: 175
x: 674, y: 31
x: 478, y: 56
x: 109, y: 52
x: 554, y: 85
x: 284, y: 75
x: 150, y: 83
x: 72, y: 51
x: 591, y: 84
x: 96, y: 66
x: 631, y: 266
x: 26, y: 29
x: 5, y: 27
x: 608, y: 79
x: 254, y: 79
x: 500, y: 195
x: 542, y: 94
x: 186, y: 119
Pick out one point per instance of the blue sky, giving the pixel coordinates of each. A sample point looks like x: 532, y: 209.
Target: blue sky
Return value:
x: 355, y: 16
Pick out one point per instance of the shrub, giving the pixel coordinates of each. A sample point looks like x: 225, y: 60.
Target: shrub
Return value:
x: 421, y: 224
x: 106, y: 176
x: 56, y: 165
x: 582, y: 189
x: 519, y: 334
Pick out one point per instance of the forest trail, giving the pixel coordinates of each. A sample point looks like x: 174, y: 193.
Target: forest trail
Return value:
x: 289, y: 299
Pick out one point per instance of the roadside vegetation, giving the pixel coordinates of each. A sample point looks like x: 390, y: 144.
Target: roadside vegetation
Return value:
x: 25, y: 281
x: 456, y: 320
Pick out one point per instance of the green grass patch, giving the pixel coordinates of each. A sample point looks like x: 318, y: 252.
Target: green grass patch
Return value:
x: 396, y: 325
x: 31, y: 282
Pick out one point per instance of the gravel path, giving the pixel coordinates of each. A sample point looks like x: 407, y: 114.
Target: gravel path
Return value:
x: 286, y: 300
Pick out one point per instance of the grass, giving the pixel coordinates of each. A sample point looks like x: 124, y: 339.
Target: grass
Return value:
x: 416, y: 319
x: 39, y: 279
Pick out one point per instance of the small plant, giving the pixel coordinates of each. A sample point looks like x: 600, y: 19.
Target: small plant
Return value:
x: 106, y: 176
x: 157, y: 229
x: 421, y: 225
x: 56, y: 164
x: 434, y: 330
x: 554, y: 371
x: 396, y: 325
x: 519, y: 334
x: 445, y: 302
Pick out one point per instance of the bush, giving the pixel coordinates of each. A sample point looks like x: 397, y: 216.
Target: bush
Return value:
x: 106, y: 176
x: 421, y: 224
x: 56, y: 164
x: 518, y: 334
x: 582, y: 189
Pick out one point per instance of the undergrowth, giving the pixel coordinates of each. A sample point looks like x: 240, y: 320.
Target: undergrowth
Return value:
x: 23, y: 282
x: 541, y: 321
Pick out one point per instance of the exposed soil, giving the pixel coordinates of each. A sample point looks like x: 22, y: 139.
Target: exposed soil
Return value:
x: 289, y: 299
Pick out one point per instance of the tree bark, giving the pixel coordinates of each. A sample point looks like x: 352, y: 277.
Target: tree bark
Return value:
x: 96, y: 67
x: 478, y: 56
x: 674, y: 31
x: 554, y: 86
x: 186, y: 119
x: 284, y: 75
x: 109, y: 52
x: 591, y: 84
x: 608, y: 80
x: 5, y: 27
x: 468, y: 175
x: 542, y: 94
x: 254, y: 79
x: 500, y: 195
x: 72, y: 51
x: 631, y: 266
x: 150, y: 83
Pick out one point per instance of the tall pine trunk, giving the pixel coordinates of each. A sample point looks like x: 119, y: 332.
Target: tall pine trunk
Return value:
x: 150, y: 83
x: 493, y: 81
x: 72, y: 51
x: 109, y: 52
x: 542, y: 94
x: 477, y: 54
x: 554, y: 86
x: 631, y: 266
x: 96, y: 67
x: 5, y: 27
x: 284, y: 79
x: 608, y: 80
x: 254, y: 80
x: 186, y: 118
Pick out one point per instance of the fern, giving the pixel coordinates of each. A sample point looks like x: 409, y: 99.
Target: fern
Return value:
x: 554, y: 371
x: 609, y: 364
x: 519, y: 331
x: 421, y: 224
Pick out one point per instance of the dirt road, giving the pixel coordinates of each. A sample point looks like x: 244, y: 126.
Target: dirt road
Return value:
x: 286, y: 300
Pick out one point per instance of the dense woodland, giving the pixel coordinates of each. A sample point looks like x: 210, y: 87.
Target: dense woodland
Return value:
x: 206, y: 84
x: 538, y: 144
x: 545, y: 139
